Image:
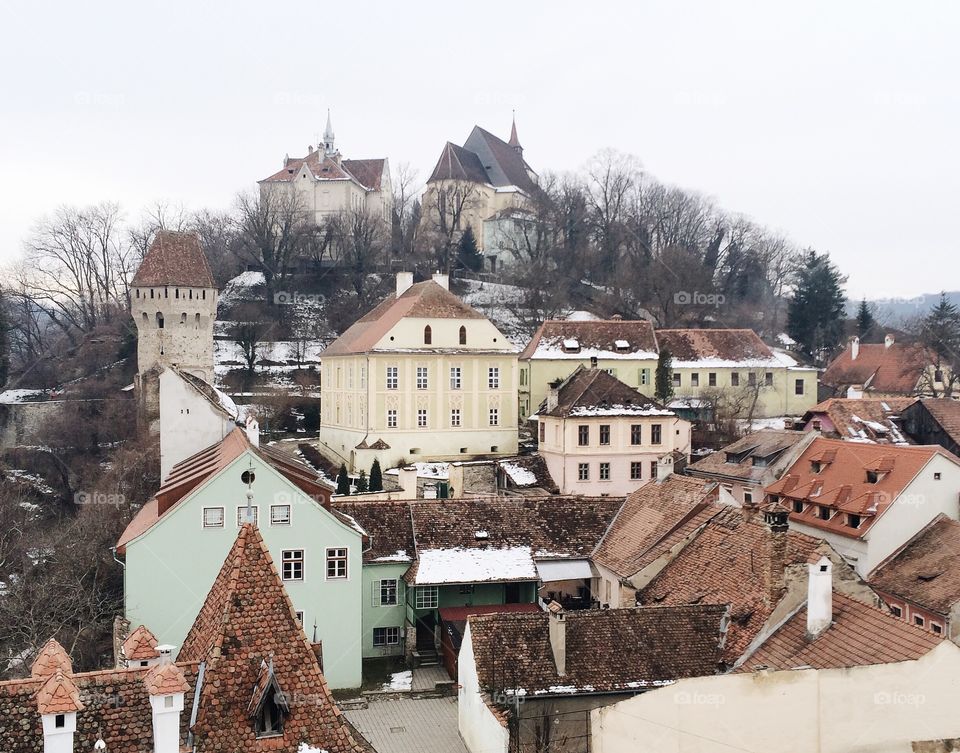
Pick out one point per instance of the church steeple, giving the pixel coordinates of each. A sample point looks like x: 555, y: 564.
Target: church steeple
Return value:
x: 328, y: 137
x: 514, y: 141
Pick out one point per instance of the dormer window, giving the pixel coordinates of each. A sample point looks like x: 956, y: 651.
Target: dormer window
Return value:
x: 816, y: 466
x: 622, y: 346
x: 823, y: 512
x: 268, y: 706
x: 571, y: 345
x: 797, y: 505
x: 269, y: 720
x: 873, y: 476
x: 853, y: 521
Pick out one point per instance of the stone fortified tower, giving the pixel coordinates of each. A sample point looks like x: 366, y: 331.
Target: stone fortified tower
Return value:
x: 173, y: 300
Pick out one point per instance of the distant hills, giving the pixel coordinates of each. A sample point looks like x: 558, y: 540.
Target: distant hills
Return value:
x: 895, y: 311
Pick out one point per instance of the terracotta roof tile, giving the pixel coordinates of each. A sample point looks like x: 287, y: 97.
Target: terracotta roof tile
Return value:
x: 388, y: 526
x: 246, y: 619
x: 652, y: 520
x: 924, y: 570
x: 841, y: 483
x: 691, y: 345
x: 606, y: 650
x: 947, y: 414
x: 869, y: 419
x: 174, y: 259
x: 166, y: 679
x: 140, y: 645
x: 860, y: 635
x: 367, y: 172
x: 50, y: 659
x: 589, y: 392
x: 754, y: 458
x: 895, y: 369
x: 593, y: 338
x: 58, y: 695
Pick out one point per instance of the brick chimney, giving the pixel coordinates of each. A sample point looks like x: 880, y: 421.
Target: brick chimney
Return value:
x: 558, y: 636
x: 854, y: 348
x: 404, y: 282
x: 774, y: 565
x: 819, y: 597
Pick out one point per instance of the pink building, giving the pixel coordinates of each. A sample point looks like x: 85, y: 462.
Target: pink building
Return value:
x: 600, y: 436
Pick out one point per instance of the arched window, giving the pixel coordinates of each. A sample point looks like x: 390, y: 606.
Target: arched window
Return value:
x: 159, y: 320
x: 463, y: 335
x: 146, y: 319
x: 183, y: 318
x: 427, y: 335
x: 196, y: 322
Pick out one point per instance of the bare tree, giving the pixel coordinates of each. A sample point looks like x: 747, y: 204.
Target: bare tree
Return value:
x: 404, y: 229
x: 446, y: 209
x: 360, y: 240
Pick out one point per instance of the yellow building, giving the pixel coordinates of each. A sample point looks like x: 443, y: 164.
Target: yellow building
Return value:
x: 625, y: 349
x: 735, y: 367
x: 422, y: 376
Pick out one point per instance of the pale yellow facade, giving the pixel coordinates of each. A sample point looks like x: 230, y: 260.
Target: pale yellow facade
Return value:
x: 476, y: 202
x: 436, y: 401
x: 778, y: 390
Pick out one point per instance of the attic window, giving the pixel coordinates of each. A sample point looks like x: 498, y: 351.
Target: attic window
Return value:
x: 481, y: 535
x: 873, y: 476
x: 622, y: 345
x: 269, y: 718
x: 816, y: 466
x: 797, y: 505
x: 571, y: 345
x: 853, y: 521
x: 823, y: 512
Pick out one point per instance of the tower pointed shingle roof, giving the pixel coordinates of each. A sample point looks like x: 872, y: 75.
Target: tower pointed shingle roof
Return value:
x: 174, y: 259
x: 246, y: 619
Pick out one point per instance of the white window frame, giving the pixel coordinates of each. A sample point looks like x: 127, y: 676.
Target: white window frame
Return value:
x: 422, y: 420
x: 242, y: 511
x: 423, y: 377
x: 393, y: 377
x: 379, y: 586
x: 427, y: 597
x: 494, y: 416
x: 210, y: 525
x: 455, y: 417
x: 391, y: 418
x: 338, y: 559
x: 275, y: 521
x: 583, y: 471
x: 603, y: 473
x: 493, y: 378
x: 292, y: 557
x: 456, y: 378
x: 390, y: 636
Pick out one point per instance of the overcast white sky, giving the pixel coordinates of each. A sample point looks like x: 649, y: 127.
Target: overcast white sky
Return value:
x: 837, y: 123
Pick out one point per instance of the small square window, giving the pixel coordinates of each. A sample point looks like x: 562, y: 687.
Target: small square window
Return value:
x: 279, y: 515
x: 896, y: 611
x: 427, y: 597
x: 938, y: 629
x: 918, y: 620
x: 213, y: 517
x: 336, y: 563
x: 60, y: 721
x: 291, y: 564
x: 242, y: 514
x: 936, y: 476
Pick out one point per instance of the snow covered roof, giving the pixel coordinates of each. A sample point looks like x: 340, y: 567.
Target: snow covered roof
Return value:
x: 474, y: 565
x: 579, y: 339
x: 595, y: 392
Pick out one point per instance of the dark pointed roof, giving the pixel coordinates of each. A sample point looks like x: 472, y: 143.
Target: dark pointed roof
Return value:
x: 514, y: 141
x: 246, y: 621
x: 595, y: 392
x: 457, y: 163
x: 485, y: 158
x: 175, y: 259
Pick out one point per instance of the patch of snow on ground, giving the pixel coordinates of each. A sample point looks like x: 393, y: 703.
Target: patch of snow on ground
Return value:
x: 777, y: 422
x: 399, y: 681
x: 463, y: 565
x: 581, y: 316
x: 426, y: 470
x: 21, y: 396
x: 238, y: 288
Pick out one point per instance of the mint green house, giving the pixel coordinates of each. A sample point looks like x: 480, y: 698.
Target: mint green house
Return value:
x: 176, y: 544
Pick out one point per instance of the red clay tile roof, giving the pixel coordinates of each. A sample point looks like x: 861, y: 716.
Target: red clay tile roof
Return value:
x: 946, y: 413
x: 607, y: 650
x: 770, y: 449
x: 690, y: 345
x: 589, y: 392
x: 166, y: 679
x: 58, y: 695
x: 246, y: 619
x: 174, y: 259
x: 867, y: 419
x: 50, y: 659
x: 424, y: 300
x: 190, y: 473
x: 367, y: 173
x: 388, y: 527
x: 116, y: 706
x: 924, y: 571
x: 594, y: 338
x: 841, y: 485
x: 724, y: 564
x: 895, y: 369
x: 860, y: 635
x: 652, y: 520
x: 140, y: 645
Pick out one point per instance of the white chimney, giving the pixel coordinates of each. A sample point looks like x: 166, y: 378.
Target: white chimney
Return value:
x: 404, y: 281
x: 58, y: 731
x: 819, y: 597
x: 253, y: 431
x: 442, y: 280
x: 854, y: 348
x: 58, y: 701
x: 888, y: 341
x: 166, y: 653
x: 558, y: 636
x: 854, y: 392
x: 664, y: 467
x: 166, y: 685
x: 407, y: 477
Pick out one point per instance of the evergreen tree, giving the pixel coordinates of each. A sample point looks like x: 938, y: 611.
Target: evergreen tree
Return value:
x: 467, y: 252
x: 376, y: 477
x: 940, y: 332
x: 815, y: 313
x: 663, y: 382
x: 362, y: 485
x: 343, y: 480
x: 865, y: 320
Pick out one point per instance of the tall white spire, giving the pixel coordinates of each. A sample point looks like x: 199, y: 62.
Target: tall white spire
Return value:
x: 328, y: 137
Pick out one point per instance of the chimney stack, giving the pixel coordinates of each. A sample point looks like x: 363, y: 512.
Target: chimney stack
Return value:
x: 888, y: 341
x: 58, y: 701
x: 407, y: 477
x: 819, y: 597
x: 553, y: 397
x: 442, y: 280
x: 775, y: 563
x: 664, y: 467
x: 404, y: 282
x: 252, y: 427
x: 854, y: 348
x: 166, y: 685
x: 558, y: 636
